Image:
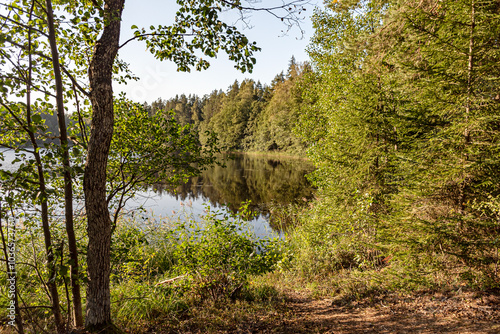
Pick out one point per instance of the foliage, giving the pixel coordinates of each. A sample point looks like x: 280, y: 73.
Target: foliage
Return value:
x: 454, y: 128
x: 148, y: 149
x: 142, y: 248
x: 231, y: 121
x: 274, y: 129
x: 219, y: 255
x: 348, y: 121
x: 402, y: 125
x: 32, y: 271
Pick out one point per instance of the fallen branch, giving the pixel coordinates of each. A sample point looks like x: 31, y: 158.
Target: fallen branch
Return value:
x: 170, y: 280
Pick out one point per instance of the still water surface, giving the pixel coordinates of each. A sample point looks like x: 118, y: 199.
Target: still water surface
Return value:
x: 264, y: 180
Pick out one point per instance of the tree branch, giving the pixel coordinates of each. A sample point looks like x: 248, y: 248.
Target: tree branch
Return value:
x: 44, y: 56
x: 22, y: 25
x: 151, y: 34
x: 20, y: 10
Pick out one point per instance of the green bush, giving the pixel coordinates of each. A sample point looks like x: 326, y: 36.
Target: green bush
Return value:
x: 141, y: 250
x: 218, y: 254
x: 216, y: 257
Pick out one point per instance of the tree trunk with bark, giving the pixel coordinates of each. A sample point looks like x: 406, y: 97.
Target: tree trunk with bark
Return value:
x: 68, y: 187
x: 98, y: 315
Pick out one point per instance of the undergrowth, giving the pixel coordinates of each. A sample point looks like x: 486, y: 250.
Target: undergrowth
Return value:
x: 211, y: 273
x: 358, y: 255
x: 165, y: 270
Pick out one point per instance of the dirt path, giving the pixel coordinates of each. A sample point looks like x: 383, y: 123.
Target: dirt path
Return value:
x: 417, y: 314
x: 426, y: 313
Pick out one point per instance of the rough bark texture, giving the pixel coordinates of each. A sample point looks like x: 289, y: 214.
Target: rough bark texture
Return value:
x: 98, y: 315
x: 68, y: 187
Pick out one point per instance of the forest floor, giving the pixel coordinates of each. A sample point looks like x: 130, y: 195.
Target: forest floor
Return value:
x: 299, y: 313
x: 436, y: 313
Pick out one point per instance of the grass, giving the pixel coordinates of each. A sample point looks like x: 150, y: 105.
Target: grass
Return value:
x: 165, y: 310
x: 219, y: 261
x: 232, y: 280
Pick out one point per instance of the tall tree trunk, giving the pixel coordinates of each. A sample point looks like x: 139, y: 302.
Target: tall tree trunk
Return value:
x: 68, y: 188
x: 49, y: 249
x: 98, y: 219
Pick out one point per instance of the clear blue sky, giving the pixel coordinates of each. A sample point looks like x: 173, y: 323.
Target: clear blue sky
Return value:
x: 161, y: 80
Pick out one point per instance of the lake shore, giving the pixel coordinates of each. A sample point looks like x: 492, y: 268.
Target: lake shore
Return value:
x: 271, y: 154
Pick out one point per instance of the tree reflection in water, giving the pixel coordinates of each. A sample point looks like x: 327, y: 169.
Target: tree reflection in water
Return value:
x: 260, y: 179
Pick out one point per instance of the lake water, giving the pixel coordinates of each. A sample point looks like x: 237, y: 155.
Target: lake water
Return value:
x: 264, y: 180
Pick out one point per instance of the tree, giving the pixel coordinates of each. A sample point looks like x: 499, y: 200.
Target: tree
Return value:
x: 231, y: 121
x: 349, y: 116
x: 448, y: 63
x: 199, y: 20
x: 95, y: 26
x: 403, y: 125
x: 151, y: 149
x: 348, y: 122
x: 275, y: 124
x: 68, y: 187
x: 195, y: 111
x: 34, y: 25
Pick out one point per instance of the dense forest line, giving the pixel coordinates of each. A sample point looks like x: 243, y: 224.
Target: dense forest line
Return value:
x: 249, y: 116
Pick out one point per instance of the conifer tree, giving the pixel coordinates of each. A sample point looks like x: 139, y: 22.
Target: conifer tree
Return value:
x: 447, y: 56
x: 348, y: 117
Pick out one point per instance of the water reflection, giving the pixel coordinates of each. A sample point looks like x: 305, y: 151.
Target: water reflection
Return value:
x: 260, y: 179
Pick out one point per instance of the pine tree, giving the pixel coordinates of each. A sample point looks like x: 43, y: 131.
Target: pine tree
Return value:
x: 349, y: 115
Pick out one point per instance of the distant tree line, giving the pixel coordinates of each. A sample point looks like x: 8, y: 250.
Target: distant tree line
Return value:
x: 50, y: 128
x: 249, y: 116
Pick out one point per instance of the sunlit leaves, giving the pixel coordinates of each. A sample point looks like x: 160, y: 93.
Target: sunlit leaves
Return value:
x: 197, y: 33
x: 150, y: 148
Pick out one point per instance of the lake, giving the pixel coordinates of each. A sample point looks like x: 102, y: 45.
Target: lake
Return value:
x: 262, y: 179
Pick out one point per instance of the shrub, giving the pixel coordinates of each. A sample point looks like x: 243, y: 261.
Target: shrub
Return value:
x: 218, y: 254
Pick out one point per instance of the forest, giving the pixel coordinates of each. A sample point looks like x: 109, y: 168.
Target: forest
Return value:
x: 247, y: 117
x: 398, y: 109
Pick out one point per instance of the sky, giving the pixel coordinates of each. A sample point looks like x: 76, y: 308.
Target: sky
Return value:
x: 160, y: 79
